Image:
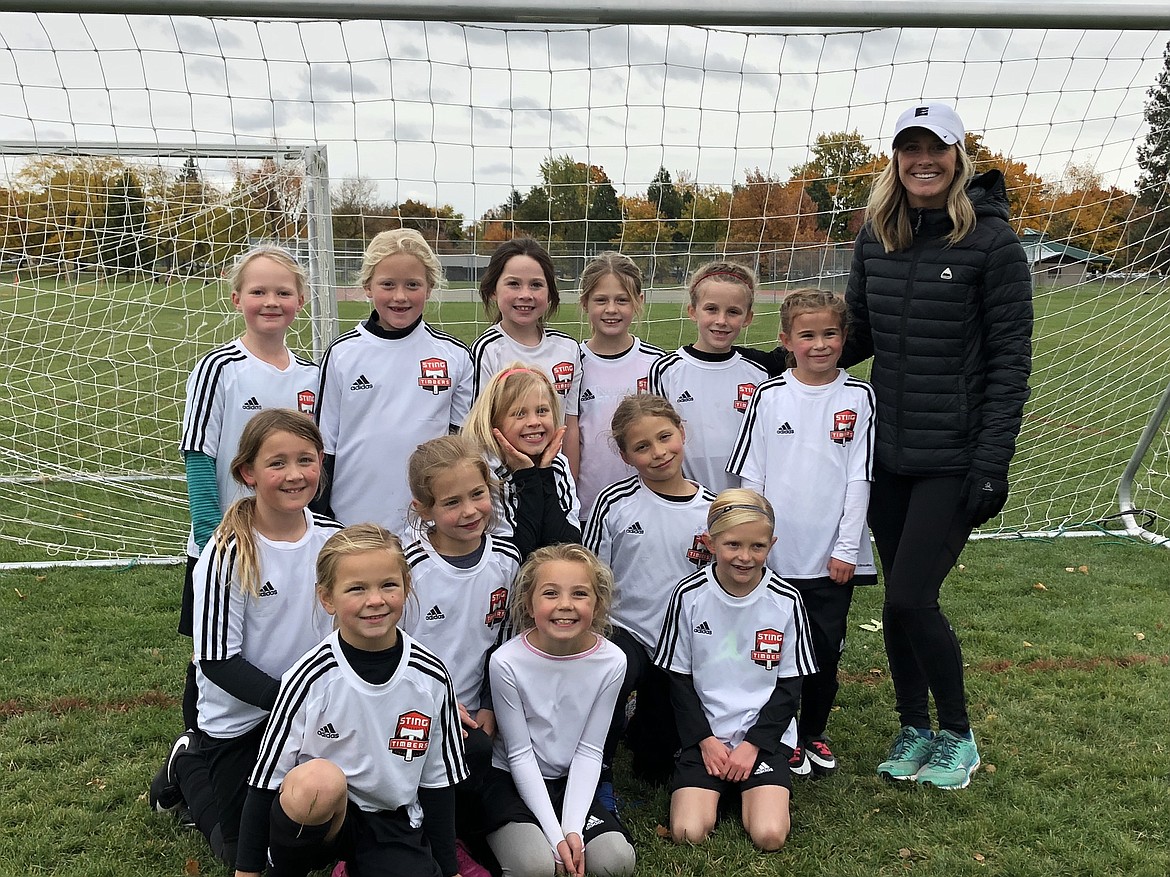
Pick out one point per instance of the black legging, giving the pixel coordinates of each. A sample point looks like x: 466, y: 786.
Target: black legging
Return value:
x: 920, y: 525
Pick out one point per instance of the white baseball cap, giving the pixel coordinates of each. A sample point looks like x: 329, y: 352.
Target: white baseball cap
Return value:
x: 939, y: 119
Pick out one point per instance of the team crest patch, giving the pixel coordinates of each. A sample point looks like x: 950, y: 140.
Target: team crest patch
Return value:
x: 843, y: 423
x: 643, y: 385
x: 562, y: 375
x: 698, y: 553
x: 768, y: 645
x: 411, y: 735
x: 497, y: 607
x: 306, y: 402
x: 434, y: 375
x: 744, y: 393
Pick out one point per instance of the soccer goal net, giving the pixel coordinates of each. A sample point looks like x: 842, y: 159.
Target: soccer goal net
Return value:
x: 672, y: 142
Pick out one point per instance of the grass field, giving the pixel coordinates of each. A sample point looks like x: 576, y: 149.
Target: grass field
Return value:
x: 92, y: 381
x: 1067, y: 680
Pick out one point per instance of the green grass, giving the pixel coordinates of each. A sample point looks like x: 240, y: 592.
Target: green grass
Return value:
x: 92, y: 376
x: 1067, y: 685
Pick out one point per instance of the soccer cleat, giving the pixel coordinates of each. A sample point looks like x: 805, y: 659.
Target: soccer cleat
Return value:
x: 952, y: 761
x: 165, y: 794
x: 909, y: 751
x: 820, y: 756
x: 607, y: 796
x: 468, y: 867
x: 798, y: 763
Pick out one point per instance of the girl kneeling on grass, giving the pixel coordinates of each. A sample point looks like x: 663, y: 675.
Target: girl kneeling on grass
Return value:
x: 736, y: 643
x: 364, y: 736
x: 554, y: 688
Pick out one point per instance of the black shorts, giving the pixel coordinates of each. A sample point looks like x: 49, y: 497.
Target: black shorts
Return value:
x: 187, y: 606
x: 374, y: 844
x: 503, y: 805
x: 690, y: 773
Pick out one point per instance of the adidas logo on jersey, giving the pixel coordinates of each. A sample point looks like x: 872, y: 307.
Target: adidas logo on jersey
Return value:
x: 685, y: 397
x: 328, y: 731
x: 761, y: 768
x: 592, y: 822
x: 436, y: 614
x: 703, y: 627
x: 251, y: 405
x: 785, y: 429
x: 587, y: 396
x: 362, y: 383
x: 269, y: 590
x: 636, y: 529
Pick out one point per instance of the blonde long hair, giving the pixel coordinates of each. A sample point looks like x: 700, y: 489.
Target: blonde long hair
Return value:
x: 888, y: 211
x: 239, y: 521
x: 599, y: 576
x: 501, y: 393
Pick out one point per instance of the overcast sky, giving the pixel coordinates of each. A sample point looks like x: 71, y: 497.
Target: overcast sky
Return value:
x: 457, y: 114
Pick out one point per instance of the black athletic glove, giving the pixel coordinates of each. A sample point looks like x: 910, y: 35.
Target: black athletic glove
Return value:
x: 985, y: 497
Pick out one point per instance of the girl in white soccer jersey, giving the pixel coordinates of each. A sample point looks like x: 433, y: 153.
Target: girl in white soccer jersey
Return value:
x: 807, y: 444
x: 388, y: 384
x: 648, y: 529
x: 364, y: 737
x: 516, y: 422
x: 227, y: 388
x: 255, y: 611
x: 710, y: 382
x: 519, y: 290
x: 736, y: 643
x: 554, y: 688
x: 614, y: 364
x: 461, y: 576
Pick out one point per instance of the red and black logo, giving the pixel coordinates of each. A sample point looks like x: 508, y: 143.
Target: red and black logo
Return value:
x: 744, y: 395
x: 843, y: 423
x: 698, y: 553
x: 643, y: 385
x: 769, y: 643
x: 306, y: 402
x: 434, y: 375
x: 411, y: 736
x: 562, y: 375
x: 497, y: 607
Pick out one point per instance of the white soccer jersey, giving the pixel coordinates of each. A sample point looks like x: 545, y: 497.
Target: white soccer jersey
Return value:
x: 506, y: 502
x: 711, y: 397
x: 227, y: 388
x: 557, y: 354
x: 459, y: 614
x: 380, y: 399
x: 605, y: 381
x: 649, y: 542
x: 552, y: 714
x: 387, y: 739
x: 735, y: 648
x: 271, y: 630
x: 804, y: 445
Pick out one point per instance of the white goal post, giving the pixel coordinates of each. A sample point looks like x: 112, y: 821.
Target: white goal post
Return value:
x: 147, y: 143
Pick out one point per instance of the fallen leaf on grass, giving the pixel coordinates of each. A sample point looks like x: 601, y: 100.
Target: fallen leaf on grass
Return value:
x: 191, y: 869
x: 98, y: 783
x: 979, y: 858
x: 1039, y: 586
x: 1027, y: 645
x: 19, y: 594
x: 988, y: 768
x: 40, y: 578
x: 905, y: 853
x: 1138, y: 635
x: 1083, y: 568
x: 663, y: 832
x: 873, y: 625
x: 962, y: 566
x: 875, y: 671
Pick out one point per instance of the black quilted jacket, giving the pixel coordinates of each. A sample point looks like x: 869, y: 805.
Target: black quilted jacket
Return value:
x: 950, y: 332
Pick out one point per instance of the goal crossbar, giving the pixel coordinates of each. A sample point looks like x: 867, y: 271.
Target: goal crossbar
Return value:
x: 1078, y: 14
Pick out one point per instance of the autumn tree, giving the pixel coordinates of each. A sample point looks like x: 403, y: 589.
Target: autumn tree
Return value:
x: 833, y: 180
x: 1029, y: 195
x: 1088, y: 214
x: 773, y: 216
x: 439, y: 225
x: 574, y: 202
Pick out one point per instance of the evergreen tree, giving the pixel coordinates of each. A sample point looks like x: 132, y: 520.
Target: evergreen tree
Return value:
x: 1149, y: 234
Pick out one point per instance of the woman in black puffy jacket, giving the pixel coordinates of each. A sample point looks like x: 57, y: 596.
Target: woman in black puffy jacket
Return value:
x: 940, y: 295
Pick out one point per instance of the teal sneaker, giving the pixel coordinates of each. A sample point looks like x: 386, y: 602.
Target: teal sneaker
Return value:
x: 909, y: 751
x: 952, y: 761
